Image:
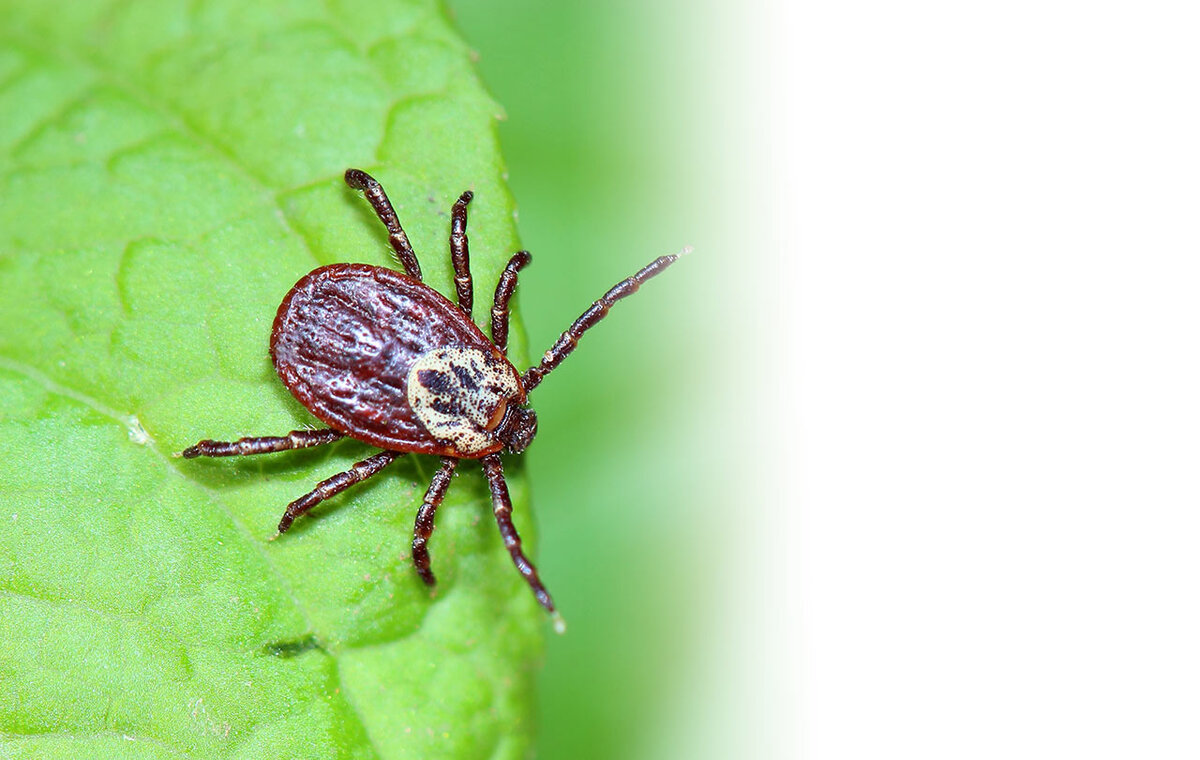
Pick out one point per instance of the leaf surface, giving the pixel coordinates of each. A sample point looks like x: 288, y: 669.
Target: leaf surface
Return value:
x: 167, y: 172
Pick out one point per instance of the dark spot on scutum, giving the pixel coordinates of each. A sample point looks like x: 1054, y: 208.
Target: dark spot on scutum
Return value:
x: 438, y: 382
x: 446, y: 406
x: 291, y: 647
x: 464, y: 377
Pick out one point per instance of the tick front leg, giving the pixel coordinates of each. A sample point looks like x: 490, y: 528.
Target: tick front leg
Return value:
x: 460, y: 255
x: 566, y: 342
x: 424, y: 527
x: 335, y: 485
x: 360, y: 180
x: 297, y: 439
x: 502, y: 508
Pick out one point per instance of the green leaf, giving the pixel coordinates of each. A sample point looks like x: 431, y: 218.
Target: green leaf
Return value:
x: 168, y: 171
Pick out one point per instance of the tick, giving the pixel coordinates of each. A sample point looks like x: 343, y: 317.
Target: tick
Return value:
x: 381, y: 357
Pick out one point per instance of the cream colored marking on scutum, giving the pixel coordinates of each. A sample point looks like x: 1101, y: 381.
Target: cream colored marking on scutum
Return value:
x: 466, y: 429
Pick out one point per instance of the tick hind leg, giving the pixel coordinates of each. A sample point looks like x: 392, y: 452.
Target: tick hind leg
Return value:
x: 335, y: 485
x: 502, y: 508
x: 460, y: 255
x: 297, y: 439
x: 424, y: 527
x: 360, y: 180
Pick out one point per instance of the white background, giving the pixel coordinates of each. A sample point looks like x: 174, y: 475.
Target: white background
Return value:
x: 970, y: 235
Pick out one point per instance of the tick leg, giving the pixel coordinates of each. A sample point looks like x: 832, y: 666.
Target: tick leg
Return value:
x: 335, y: 485
x: 297, y: 439
x: 424, y: 527
x: 568, y: 340
x: 460, y: 255
x: 504, y: 291
x: 360, y: 180
x: 502, y: 507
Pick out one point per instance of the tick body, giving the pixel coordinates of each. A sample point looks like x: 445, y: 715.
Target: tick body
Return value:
x: 381, y: 357
x: 388, y: 360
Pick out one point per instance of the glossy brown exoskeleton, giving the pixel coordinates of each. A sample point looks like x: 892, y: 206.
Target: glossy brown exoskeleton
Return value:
x: 381, y: 357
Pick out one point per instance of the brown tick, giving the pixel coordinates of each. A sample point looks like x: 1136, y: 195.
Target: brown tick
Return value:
x: 383, y: 358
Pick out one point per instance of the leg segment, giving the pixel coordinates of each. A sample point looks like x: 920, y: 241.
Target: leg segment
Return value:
x: 568, y: 340
x: 297, y: 439
x: 360, y: 180
x: 335, y: 485
x: 424, y: 527
x: 504, y: 291
x: 459, y: 254
x: 502, y: 507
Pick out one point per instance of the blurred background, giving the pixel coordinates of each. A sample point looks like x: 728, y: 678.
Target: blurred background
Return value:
x: 931, y: 373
